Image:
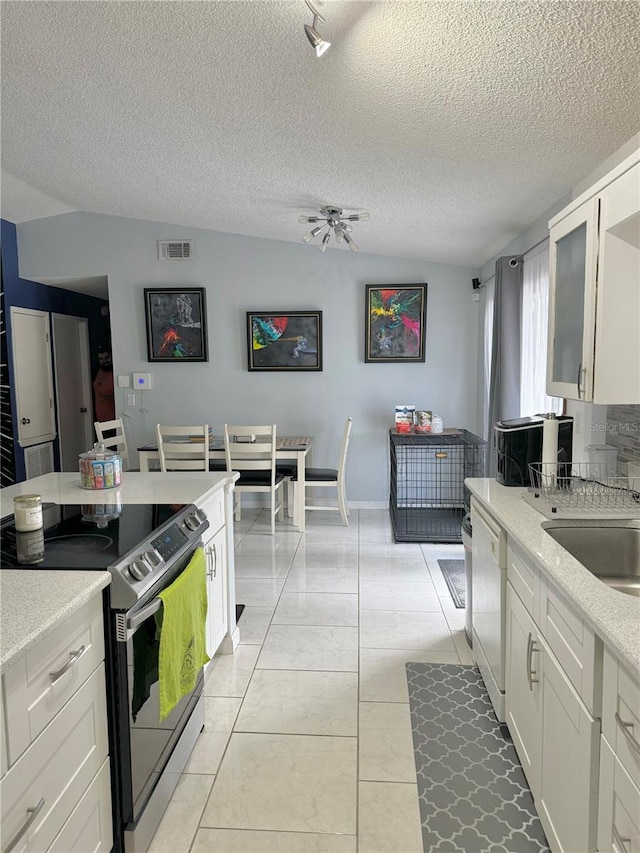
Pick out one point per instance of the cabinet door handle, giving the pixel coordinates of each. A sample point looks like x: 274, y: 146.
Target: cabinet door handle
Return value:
x: 633, y: 743
x: 32, y: 815
x: 74, y: 658
x: 215, y: 559
x: 209, y: 564
x: 579, y: 381
x: 620, y: 840
x: 531, y: 672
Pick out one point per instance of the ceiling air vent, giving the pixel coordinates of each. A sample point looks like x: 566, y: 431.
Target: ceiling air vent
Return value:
x: 175, y: 250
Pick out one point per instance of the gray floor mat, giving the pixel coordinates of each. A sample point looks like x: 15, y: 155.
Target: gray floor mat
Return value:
x: 473, y: 795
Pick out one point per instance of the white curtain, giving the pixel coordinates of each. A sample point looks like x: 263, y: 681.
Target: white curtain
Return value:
x: 489, y: 292
x: 533, y: 360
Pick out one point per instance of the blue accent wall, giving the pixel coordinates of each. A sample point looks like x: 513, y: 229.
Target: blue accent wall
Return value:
x: 23, y: 293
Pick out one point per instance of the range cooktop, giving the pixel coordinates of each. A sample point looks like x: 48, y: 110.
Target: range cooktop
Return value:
x: 88, y: 536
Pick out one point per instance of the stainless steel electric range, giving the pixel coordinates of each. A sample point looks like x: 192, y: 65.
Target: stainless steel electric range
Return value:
x: 144, y: 547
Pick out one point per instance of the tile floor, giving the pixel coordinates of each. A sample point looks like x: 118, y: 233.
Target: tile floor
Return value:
x: 307, y: 745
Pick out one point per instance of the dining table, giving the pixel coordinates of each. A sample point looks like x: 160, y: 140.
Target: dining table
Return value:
x: 290, y: 448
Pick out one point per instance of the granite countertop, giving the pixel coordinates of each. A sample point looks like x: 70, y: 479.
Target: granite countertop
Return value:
x: 613, y: 615
x: 33, y: 603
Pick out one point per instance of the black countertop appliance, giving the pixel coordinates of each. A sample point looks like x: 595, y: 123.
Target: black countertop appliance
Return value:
x: 519, y: 443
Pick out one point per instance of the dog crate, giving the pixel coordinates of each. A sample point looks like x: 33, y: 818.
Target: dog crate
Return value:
x: 428, y: 497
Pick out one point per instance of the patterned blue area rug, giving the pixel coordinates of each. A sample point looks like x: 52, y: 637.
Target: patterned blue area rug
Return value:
x: 473, y: 794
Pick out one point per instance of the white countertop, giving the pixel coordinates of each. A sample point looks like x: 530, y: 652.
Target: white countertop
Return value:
x: 136, y: 487
x: 614, y: 616
x: 34, y: 602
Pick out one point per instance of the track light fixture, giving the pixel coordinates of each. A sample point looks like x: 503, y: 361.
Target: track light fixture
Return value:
x: 336, y: 222
x: 317, y: 42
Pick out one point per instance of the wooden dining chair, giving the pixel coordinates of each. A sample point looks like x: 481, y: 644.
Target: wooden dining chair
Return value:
x: 251, y: 450
x: 113, y: 436
x: 330, y: 478
x: 183, y: 448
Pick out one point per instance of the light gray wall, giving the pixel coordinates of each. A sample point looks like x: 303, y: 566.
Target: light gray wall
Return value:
x: 250, y: 274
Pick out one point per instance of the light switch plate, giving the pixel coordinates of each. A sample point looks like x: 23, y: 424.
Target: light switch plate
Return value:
x: 124, y: 381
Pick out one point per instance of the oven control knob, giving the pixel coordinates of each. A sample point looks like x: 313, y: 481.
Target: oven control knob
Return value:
x: 192, y: 522
x: 139, y: 569
x: 152, y: 558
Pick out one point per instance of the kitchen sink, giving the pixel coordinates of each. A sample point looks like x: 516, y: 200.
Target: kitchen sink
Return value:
x: 610, y: 553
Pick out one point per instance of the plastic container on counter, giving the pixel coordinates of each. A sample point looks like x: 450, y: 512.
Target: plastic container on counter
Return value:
x: 100, y: 468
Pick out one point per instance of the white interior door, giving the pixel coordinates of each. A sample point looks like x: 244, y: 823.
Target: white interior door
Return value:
x: 73, y: 387
x: 32, y: 370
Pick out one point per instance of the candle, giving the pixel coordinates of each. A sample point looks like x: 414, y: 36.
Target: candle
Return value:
x: 27, y: 513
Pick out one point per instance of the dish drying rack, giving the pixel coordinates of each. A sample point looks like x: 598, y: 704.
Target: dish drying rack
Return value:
x: 584, y: 488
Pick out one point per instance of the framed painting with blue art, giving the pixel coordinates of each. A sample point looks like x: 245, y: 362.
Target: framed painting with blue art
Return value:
x: 176, y: 324
x: 395, y: 325
x: 284, y: 340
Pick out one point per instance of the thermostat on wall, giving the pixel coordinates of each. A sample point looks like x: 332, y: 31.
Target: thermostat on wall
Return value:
x: 142, y: 381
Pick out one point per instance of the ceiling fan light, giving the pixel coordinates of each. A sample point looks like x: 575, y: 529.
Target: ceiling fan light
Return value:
x: 325, y: 240
x: 359, y: 217
x: 304, y: 219
x: 337, y: 230
x: 313, y: 233
x: 351, y: 243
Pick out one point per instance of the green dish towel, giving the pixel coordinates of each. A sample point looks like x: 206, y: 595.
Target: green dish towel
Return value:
x: 183, y: 650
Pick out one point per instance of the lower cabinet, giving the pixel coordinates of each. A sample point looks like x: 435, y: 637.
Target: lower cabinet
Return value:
x: 56, y: 792
x: 554, y: 734
x: 216, y: 559
x: 215, y: 549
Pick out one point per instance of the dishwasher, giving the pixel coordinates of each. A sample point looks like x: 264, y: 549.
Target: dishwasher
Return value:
x: 489, y: 586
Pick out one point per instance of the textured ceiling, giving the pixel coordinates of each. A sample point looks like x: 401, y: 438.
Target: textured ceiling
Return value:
x: 456, y: 124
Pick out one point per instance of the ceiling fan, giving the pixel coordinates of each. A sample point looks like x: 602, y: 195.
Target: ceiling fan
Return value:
x: 336, y: 222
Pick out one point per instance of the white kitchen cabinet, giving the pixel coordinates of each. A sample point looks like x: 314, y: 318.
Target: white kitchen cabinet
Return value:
x: 619, y: 796
x: 594, y: 293
x: 553, y: 731
x: 58, y: 755
x: 567, y: 802
x: 523, y: 696
x: 219, y: 565
x: 619, y: 805
x: 31, y: 344
x: 215, y: 552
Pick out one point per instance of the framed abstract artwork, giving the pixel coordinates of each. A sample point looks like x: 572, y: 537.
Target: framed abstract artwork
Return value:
x: 284, y: 340
x: 176, y: 324
x: 395, y: 323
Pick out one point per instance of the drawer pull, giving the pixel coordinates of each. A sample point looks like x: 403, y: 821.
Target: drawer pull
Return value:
x: 620, y: 840
x: 633, y: 743
x: 32, y: 815
x: 531, y: 672
x: 75, y: 657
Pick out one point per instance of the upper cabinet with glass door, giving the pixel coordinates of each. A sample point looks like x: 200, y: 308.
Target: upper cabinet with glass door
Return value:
x: 594, y: 299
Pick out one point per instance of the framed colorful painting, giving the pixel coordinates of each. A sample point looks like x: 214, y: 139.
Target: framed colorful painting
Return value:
x: 395, y: 323
x: 176, y: 324
x: 284, y: 340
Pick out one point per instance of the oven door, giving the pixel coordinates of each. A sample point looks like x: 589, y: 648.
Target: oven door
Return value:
x: 144, y: 744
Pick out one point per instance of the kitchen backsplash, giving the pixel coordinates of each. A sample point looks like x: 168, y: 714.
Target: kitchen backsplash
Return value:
x: 623, y: 431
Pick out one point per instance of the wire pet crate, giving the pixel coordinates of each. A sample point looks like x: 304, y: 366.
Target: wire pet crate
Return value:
x: 599, y: 487
x: 428, y: 498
